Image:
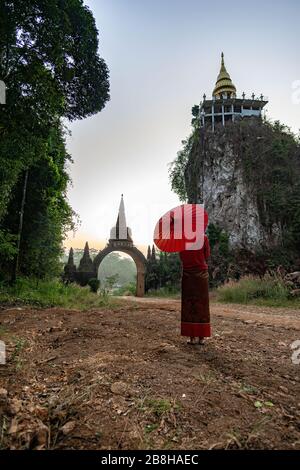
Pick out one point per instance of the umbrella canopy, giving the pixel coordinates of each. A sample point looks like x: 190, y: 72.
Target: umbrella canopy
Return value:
x: 181, y: 228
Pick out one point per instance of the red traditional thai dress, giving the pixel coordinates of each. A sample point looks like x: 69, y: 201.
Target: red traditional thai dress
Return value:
x: 195, y: 316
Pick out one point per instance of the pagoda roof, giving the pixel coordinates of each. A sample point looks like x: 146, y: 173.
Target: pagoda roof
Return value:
x: 224, y: 83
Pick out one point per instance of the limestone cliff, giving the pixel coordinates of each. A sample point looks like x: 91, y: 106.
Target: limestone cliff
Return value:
x: 246, y: 174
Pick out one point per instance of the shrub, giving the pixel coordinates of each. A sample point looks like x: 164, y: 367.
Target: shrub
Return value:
x: 50, y: 293
x: 127, y: 290
x: 94, y: 284
x: 268, y: 290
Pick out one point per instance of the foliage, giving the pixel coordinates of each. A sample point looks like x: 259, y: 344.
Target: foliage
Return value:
x: 165, y: 292
x: 269, y: 157
x: 158, y: 407
x: 270, y: 154
x: 77, y: 255
x: 50, y: 64
x: 127, y: 290
x: 50, y: 293
x: 177, y: 169
x: 94, y: 284
x: 7, y: 245
x: 218, y: 238
x: 220, y: 255
x: 110, y: 281
x: 163, y: 272
x: 115, y: 263
x: 195, y: 114
x: 233, y: 263
x: 269, y: 290
x: 47, y: 215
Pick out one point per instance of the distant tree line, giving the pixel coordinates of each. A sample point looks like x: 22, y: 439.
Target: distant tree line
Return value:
x: 50, y: 64
x: 163, y: 270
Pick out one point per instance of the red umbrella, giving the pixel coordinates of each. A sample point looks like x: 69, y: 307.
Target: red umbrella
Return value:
x: 181, y: 228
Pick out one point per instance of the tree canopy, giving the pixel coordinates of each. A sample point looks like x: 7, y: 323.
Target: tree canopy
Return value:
x: 50, y: 64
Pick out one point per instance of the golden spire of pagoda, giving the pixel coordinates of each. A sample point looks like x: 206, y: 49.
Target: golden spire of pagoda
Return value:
x: 224, y: 83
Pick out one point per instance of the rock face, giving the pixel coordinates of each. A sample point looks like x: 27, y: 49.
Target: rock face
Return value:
x: 216, y: 175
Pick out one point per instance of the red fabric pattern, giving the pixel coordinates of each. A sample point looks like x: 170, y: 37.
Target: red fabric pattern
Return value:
x: 200, y: 330
x: 192, y: 258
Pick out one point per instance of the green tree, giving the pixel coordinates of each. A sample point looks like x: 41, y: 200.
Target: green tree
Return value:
x: 110, y: 281
x: 164, y: 272
x: 50, y: 63
x: 177, y: 170
x: 47, y: 213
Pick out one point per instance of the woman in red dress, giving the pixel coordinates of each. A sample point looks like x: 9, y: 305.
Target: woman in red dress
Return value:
x: 195, y: 316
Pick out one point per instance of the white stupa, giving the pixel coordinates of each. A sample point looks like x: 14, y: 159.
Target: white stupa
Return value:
x: 120, y: 231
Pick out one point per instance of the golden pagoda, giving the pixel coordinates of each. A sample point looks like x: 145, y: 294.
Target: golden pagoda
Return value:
x: 224, y: 83
x: 225, y: 106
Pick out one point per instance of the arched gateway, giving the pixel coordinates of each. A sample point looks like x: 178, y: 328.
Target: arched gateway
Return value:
x: 136, y: 255
x: 120, y: 240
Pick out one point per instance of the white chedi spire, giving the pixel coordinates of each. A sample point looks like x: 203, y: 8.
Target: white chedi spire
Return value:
x: 120, y: 230
x: 121, y: 222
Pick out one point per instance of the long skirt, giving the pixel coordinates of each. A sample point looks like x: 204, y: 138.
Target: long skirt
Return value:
x: 195, y: 316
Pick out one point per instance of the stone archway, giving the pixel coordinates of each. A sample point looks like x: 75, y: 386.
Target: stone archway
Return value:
x: 126, y: 247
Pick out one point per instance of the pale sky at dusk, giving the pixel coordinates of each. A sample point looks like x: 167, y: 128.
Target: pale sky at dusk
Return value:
x: 162, y: 56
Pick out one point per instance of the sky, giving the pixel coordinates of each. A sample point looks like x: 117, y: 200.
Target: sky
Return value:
x: 163, y: 55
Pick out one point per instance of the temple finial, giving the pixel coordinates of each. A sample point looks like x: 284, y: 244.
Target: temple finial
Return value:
x: 224, y: 83
x: 223, y: 68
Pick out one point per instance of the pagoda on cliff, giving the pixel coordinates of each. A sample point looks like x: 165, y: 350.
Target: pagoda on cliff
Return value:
x: 225, y: 105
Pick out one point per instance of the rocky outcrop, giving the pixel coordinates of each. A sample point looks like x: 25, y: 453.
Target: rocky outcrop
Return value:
x: 228, y: 171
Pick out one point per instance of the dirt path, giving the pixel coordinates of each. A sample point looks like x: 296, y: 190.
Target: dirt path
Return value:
x: 123, y: 378
x: 281, y: 317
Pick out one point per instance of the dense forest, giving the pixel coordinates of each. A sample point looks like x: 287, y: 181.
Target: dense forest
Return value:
x: 53, y: 74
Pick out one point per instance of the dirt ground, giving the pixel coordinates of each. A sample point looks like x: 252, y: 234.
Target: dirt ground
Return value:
x: 123, y: 378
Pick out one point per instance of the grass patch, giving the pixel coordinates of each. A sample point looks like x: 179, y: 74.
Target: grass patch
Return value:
x: 236, y: 439
x: 164, y: 292
x: 206, y: 378
x: 51, y: 293
x: 160, y: 415
x: 168, y: 292
x: 249, y: 389
x: 159, y: 407
x: 127, y: 290
x: 150, y: 428
x: 268, y: 291
x: 20, y: 344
